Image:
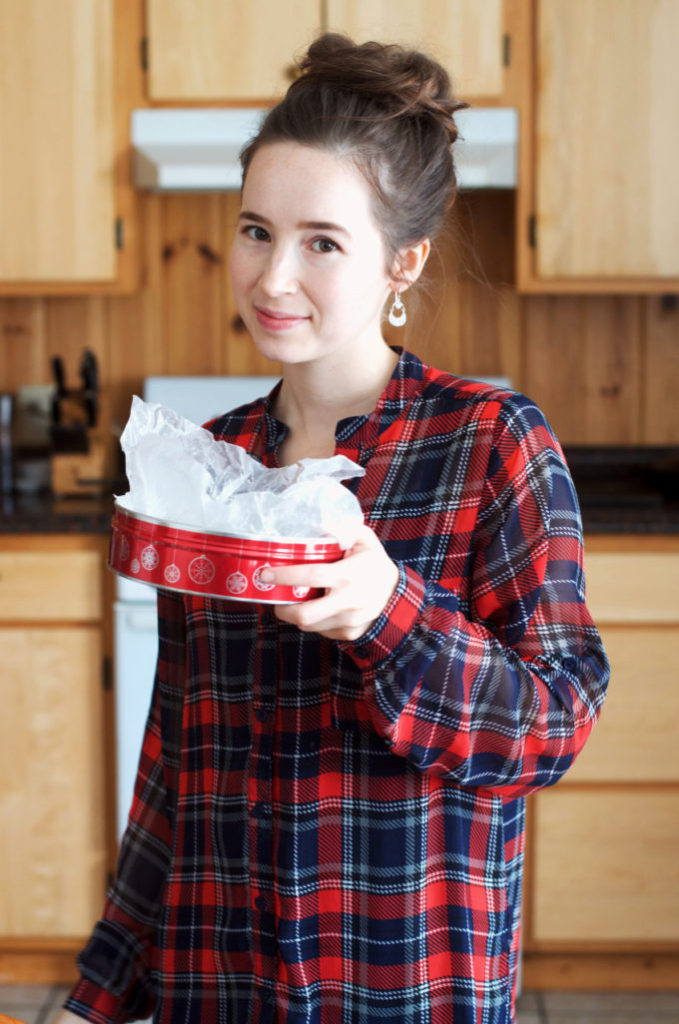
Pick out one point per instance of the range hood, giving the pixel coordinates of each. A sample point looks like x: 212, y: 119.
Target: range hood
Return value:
x: 191, y: 150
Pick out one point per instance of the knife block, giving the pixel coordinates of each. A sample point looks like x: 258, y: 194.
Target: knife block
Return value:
x: 81, y: 473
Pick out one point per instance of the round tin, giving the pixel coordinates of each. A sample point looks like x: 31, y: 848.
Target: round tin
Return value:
x: 210, y: 564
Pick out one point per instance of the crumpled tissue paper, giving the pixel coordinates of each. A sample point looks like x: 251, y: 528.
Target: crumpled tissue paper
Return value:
x: 179, y: 472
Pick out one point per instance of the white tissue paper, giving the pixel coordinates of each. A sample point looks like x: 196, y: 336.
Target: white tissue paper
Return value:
x: 180, y: 473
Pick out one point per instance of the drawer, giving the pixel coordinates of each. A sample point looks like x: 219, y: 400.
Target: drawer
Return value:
x: 630, y: 586
x: 637, y: 736
x: 57, y: 586
x: 605, y: 867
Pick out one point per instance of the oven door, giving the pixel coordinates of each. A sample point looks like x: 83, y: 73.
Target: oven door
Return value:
x: 136, y: 652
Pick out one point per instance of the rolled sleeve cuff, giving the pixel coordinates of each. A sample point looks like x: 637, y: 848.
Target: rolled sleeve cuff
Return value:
x: 394, y: 624
x: 93, y: 1003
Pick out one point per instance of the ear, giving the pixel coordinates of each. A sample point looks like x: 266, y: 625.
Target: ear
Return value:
x: 409, y: 265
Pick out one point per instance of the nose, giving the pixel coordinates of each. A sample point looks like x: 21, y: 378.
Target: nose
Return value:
x: 279, y: 273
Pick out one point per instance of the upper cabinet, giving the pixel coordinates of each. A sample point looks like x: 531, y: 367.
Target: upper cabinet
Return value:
x: 225, y: 50
x: 469, y: 38
x: 66, y: 204
x: 599, y: 196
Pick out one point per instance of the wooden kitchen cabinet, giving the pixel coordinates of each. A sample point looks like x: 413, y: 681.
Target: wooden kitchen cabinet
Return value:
x: 218, y: 51
x: 474, y: 41
x: 67, y: 207
x: 54, y: 852
x: 603, y: 872
x: 606, y: 868
x: 225, y: 50
x: 599, y: 194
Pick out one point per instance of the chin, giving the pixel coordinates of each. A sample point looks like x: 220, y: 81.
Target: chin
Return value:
x: 282, y: 350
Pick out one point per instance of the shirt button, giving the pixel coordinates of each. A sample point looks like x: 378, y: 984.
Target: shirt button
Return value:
x: 260, y: 902
x: 261, y: 714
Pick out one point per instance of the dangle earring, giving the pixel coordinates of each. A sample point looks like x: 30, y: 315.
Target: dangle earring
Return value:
x: 397, y: 313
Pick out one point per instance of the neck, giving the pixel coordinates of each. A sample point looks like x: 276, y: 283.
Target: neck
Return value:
x: 315, y: 397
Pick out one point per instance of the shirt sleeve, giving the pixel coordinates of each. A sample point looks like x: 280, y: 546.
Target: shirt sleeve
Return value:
x: 115, y: 966
x: 500, y: 693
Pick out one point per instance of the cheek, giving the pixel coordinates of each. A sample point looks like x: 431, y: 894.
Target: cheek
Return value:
x: 239, y: 269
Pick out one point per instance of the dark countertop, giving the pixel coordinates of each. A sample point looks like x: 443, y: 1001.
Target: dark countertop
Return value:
x: 44, y: 513
x: 621, y: 490
x: 626, y: 489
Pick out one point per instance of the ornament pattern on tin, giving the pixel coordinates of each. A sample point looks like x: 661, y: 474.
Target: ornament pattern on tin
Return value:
x: 236, y: 583
x: 135, y: 566
x: 201, y: 570
x: 257, y: 580
x: 149, y: 558
x: 172, y: 573
x: 124, y: 549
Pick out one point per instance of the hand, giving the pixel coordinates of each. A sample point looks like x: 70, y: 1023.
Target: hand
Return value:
x: 356, y: 590
x: 66, y: 1017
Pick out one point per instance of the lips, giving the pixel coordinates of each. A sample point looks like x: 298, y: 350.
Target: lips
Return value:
x: 275, y: 320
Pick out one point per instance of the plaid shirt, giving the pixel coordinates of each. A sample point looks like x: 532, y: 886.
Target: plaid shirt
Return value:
x: 332, y: 833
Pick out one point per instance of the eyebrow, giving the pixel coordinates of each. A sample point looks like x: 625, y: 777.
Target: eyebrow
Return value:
x: 314, y: 225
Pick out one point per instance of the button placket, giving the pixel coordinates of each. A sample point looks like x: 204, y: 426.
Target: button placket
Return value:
x: 261, y: 796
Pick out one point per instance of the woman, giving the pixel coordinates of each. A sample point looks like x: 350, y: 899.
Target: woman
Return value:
x: 328, y: 816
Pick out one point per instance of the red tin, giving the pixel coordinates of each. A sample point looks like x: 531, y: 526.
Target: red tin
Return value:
x: 211, y: 564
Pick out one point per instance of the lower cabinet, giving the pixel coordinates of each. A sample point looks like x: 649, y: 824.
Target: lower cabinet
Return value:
x: 602, y: 871
x: 53, y: 846
x: 602, y: 894
x: 606, y: 868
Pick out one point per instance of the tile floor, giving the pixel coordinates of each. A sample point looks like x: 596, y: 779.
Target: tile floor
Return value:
x: 39, y: 1004
x: 33, y: 1004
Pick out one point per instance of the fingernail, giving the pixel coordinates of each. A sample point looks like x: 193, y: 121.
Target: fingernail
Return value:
x: 266, y: 576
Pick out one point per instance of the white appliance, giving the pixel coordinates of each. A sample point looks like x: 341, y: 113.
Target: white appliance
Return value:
x: 135, y: 627
x: 197, y: 149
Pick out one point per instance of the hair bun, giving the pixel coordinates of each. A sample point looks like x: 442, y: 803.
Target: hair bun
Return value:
x: 388, y: 109
x: 404, y: 82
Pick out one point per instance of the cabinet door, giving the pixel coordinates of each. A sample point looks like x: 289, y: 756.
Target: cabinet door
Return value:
x: 225, y: 49
x: 637, y: 736
x: 464, y: 35
x: 605, y: 867
x: 52, y: 848
x: 57, y: 215
x: 633, y: 597
x: 606, y: 200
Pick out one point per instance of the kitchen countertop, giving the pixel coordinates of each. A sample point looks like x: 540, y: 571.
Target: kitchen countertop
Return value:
x: 44, y: 513
x: 621, y: 489
x: 626, y: 489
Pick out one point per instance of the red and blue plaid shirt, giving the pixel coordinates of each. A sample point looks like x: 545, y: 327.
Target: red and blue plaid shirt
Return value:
x: 332, y: 833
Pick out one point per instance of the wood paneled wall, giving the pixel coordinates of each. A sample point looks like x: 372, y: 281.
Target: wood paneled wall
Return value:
x: 604, y: 369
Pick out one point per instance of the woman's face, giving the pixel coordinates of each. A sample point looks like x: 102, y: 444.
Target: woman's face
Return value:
x: 308, y: 262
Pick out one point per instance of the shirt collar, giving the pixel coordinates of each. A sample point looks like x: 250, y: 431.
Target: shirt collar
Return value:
x: 360, y: 432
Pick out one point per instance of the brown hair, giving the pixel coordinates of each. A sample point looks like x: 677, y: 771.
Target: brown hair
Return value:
x: 388, y: 109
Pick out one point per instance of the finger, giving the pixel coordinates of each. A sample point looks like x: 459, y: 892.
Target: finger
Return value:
x: 319, y: 575
x: 309, y: 615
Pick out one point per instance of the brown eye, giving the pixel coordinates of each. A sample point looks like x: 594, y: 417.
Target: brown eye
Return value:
x: 324, y: 245
x: 256, y: 232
